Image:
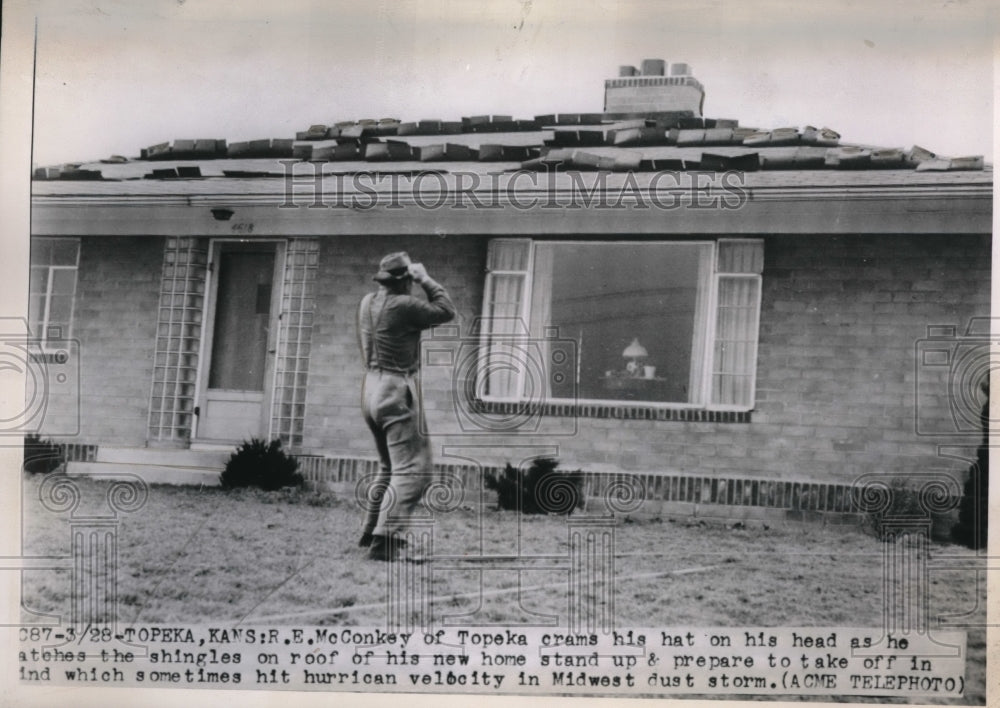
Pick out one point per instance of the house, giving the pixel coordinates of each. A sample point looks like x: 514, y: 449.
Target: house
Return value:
x: 736, y: 316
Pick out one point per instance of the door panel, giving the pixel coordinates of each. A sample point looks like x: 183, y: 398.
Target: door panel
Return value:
x: 240, y: 322
x: 231, y: 415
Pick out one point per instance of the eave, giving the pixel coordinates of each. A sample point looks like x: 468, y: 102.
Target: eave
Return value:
x: 522, y: 203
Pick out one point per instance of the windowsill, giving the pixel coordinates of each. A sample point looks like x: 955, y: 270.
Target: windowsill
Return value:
x: 624, y: 410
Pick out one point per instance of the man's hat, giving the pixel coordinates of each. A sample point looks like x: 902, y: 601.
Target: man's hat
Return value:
x: 395, y: 266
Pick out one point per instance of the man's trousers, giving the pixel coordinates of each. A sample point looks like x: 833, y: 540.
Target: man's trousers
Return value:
x: 391, y: 406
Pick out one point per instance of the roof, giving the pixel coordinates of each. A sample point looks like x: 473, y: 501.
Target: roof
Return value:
x: 558, y: 175
x: 612, y: 143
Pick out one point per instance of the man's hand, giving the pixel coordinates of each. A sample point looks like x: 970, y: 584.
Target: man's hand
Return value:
x: 418, y: 272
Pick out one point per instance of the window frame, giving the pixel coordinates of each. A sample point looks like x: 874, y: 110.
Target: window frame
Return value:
x: 714, y: 278
x: 485, y: 336
x: 42, y: 336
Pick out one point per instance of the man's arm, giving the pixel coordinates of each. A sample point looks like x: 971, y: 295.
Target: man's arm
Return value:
x: 439, y: 308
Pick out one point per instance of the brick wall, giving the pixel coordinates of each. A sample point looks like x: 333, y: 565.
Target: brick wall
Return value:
x: 650, y: 94
x: 115, y: 323
x: 837, y: 382
x: 838, y: 368
x: 836, y: 378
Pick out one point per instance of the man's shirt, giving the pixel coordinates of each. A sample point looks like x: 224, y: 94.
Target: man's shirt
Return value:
x: 389, y: 325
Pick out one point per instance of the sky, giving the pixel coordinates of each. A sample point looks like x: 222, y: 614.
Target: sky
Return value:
x: 114, y: 76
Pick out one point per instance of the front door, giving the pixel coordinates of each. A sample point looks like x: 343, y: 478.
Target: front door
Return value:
x: 240, y: 340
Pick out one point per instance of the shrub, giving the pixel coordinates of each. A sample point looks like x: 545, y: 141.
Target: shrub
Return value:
x: 257, y: 463
x: 973, y: 509
x: 41, y: 456
x: 904, y: 505
x: 539, y: 490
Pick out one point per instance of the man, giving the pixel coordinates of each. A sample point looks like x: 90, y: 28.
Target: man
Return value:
x: 389, y: 325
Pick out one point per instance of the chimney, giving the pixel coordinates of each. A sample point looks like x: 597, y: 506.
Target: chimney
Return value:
x: 653, y: 67
x: 651, y: 91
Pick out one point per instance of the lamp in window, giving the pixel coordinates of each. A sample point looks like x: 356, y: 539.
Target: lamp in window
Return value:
x: 635, y: 353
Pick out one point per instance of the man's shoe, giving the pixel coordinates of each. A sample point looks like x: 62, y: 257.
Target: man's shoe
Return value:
x: 380, y: 549
x: 391, y: 548
x: 366, y: 539
x: 386, y: 548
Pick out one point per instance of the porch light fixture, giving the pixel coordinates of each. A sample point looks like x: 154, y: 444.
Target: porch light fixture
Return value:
x: 222, y: 213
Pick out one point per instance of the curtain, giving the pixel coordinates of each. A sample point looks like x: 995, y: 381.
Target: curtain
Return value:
x: 699, y: 341
x: 735, y: 341
x: 541, y: 314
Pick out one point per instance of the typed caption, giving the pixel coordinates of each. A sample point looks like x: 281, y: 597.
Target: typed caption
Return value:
x: 525, y: 661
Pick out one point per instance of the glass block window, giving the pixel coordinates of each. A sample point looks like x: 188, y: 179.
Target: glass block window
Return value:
x: 178, y: 338
x: 298, y: 303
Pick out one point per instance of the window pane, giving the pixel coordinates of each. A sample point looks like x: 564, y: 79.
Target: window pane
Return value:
x: 501, y: 371
x: 63, y: 281
x: 51, y: 285
x: 605, y: 296
x: 741, y: 256
x: 498, y: 371
x: 60, y: 309
x: 41, y: 251
x: 64, y: 251
x: 509, y: 254
x: 731, y: 390
x: 506, y: 293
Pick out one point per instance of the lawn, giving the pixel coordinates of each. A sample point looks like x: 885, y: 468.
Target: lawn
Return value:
x: 207, y: 555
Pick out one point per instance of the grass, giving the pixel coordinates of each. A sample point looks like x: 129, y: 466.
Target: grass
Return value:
x: 290, y: 558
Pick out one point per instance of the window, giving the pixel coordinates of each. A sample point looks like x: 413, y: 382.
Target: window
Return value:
x: 52, y: 287
x: 668, y: 323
